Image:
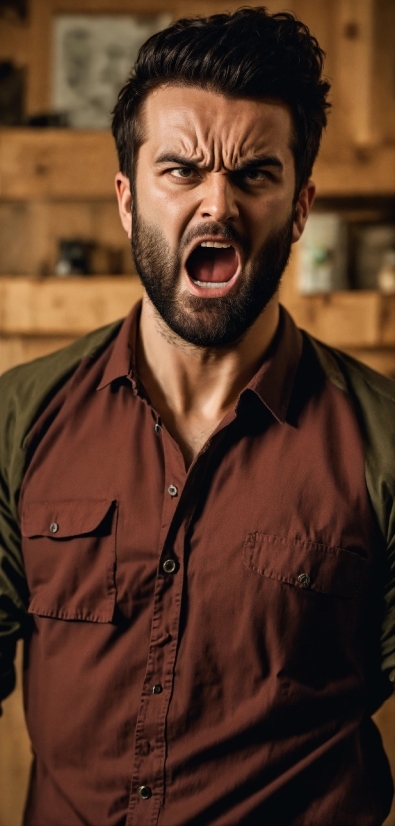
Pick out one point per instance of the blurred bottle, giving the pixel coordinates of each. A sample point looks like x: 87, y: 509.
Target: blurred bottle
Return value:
x: 386, y: 274
x: 323, y: 254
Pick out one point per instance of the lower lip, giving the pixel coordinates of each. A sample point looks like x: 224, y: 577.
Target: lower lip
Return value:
x: 211, y: 292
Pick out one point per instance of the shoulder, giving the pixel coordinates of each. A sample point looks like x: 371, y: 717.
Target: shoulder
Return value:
x: 373, y: 392
x: 373, y: 399
x: 35, y: 377
x: 26, y: 389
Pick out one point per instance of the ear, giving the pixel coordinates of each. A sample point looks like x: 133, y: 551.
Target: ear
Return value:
x: 124, y: 195
x: 302, y: 209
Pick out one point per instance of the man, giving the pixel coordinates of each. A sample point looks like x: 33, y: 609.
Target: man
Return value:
x: 203, y: 493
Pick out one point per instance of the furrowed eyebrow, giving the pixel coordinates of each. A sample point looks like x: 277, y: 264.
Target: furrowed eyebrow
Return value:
x: 254, y: 163
x: 168, y: 157
x: 258, y: 163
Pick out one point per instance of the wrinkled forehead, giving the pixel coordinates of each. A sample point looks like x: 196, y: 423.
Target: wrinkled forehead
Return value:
x: 215, y: 129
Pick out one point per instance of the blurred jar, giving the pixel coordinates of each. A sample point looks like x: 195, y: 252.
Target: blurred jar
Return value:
x: 386, y: 274
x: 74, y: 257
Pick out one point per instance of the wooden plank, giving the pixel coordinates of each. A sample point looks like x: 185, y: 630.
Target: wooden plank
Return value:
x: 40, y: 52
x: 114, y: 6
x: 18, y: 349
x: 346, y: 319
x: 15, y: 753
x: 384, y: 720
x: 14, y: 42
x: 378, y: 358
x: 370, y: 172
x: 71, y: 306
x: 355, y: 49
x: 56, y: 163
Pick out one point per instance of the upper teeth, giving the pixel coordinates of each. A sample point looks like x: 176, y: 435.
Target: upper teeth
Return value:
x: 215, y: 244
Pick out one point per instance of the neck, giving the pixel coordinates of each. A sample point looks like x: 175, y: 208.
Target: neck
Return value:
x: 192, y: 388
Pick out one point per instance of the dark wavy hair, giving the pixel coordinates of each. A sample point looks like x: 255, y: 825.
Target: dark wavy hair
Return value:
x: 249, y: 53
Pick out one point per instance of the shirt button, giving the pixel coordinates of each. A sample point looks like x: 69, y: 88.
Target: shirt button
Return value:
x: 157, y: 688
x: 54, y: 527
x: 172, y: 490
x: 145, y: 792
x: 157, y: 429
x: 304, y: 580
x: 169, y: 566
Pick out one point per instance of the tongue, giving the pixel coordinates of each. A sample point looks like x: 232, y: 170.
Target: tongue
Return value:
x: 211, y: 264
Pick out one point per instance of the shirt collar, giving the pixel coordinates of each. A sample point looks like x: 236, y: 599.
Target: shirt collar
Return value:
x: 272, y: 383
x: 121, y: 363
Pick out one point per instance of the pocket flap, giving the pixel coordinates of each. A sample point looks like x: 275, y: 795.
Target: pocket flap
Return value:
x: 305, y: 564
x: 59, y: 520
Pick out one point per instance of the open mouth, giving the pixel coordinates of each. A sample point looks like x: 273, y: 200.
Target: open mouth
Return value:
x: 213, y: 265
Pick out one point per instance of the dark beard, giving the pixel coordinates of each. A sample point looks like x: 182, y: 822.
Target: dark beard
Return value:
x: 208, y: 322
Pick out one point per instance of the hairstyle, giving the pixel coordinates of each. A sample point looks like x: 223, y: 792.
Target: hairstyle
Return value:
x: 249, y: 53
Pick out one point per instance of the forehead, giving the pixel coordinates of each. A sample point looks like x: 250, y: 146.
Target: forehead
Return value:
x: 198, y: 121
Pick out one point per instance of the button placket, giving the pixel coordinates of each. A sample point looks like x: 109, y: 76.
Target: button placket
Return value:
x: 155, y: 697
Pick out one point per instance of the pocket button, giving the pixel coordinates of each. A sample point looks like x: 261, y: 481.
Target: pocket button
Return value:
x: 54, y: 527
x: 304, y: 580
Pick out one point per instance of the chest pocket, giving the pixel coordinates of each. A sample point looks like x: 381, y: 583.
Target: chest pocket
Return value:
x: 69, y: 555
x: 305, y: 564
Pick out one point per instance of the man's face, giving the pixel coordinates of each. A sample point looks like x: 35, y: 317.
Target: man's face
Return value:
x: 213, y: 216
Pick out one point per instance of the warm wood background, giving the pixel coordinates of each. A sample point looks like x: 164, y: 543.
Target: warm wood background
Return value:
x: 59, y: 183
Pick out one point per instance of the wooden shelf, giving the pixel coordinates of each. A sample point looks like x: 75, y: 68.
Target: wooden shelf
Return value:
x: 64, y: 306
x: 56, y: 164
x: 367, y: 172
x: 347, y: 319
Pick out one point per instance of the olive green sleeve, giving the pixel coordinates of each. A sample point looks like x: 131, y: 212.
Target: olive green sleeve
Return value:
x: 373, y: 399
x: 13, y: 591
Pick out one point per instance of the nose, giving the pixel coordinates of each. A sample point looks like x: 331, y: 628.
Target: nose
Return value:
x: 218, y: 201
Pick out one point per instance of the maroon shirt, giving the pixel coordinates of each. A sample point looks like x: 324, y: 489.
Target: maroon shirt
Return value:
x: 203, y: 642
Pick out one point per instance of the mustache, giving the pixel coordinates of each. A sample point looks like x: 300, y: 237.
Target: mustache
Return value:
x: 222, y: 232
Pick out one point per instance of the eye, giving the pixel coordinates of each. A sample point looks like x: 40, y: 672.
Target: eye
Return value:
x: 256, y: 175
x: 182, y: 172
x: 245, y: 178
